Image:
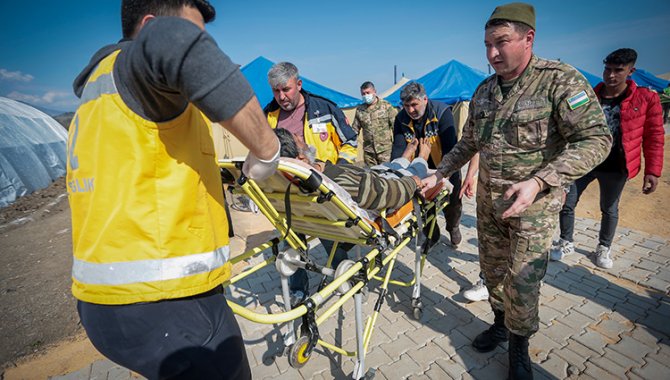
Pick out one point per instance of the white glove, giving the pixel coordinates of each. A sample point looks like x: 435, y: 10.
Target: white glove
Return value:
x: 258, y: 169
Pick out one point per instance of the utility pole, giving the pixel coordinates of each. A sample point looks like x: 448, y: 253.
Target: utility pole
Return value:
x: 489, y: 66
x: 395, y: 74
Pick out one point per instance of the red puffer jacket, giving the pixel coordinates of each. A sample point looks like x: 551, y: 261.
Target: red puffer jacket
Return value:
x: 641, y: 129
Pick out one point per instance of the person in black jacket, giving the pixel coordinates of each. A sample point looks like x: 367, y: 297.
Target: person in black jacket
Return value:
x: 423, y: 118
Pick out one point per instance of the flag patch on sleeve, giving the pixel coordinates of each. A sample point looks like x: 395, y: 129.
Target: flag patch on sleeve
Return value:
x: 578, y: 100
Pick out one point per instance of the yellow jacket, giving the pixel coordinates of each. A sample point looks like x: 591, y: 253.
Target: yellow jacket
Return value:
x: 326, y: 128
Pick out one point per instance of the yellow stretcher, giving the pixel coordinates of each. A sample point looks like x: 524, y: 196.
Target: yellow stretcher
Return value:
x: 318, y: 208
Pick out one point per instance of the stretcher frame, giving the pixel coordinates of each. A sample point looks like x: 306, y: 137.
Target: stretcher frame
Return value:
x: 306, y: 186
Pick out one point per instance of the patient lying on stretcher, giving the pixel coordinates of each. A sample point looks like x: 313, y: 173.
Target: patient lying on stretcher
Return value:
x: 382, y: 187
x: 387, y: 186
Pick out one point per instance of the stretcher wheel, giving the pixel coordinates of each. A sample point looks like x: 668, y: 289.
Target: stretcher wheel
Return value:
x: 343, y: 267
x: 296, y: 356
x: 417, y: 313
x: 285, y: 262
x: 417, y: 308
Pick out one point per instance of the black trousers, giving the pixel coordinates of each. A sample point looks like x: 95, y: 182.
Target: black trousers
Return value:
x: 188, y: 338
x: 452, y: 212
x: 611, y: 185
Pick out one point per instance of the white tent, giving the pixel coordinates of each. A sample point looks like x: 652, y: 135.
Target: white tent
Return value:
x: 32, y: 150
x: 393, y: 88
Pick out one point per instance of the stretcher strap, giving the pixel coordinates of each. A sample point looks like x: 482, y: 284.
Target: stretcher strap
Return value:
x: 309, y: 326
x: 387, y: 229
x: 287, y: 208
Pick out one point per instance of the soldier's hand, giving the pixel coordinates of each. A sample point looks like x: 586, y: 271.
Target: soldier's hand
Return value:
x: 430, y: 182
x: 468, y: 187
x: 650, y: 183
x: 525, y: 193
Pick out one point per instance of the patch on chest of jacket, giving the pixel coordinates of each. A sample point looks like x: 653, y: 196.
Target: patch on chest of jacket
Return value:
x: 531, y: 103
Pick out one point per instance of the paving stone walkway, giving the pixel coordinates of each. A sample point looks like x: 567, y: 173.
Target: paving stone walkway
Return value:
x: 595, y: 323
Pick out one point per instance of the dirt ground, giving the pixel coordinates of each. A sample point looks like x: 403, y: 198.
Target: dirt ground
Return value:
x: 40, y: 334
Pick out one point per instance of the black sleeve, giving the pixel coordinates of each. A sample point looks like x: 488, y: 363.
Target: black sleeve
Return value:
x: 447, y: 134
x: 171, y: 63
x: 399, y: 143
x: 447, y: 131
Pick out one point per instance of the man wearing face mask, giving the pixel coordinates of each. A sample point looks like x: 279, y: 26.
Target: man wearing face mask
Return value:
x: 432, y: 120
x: 375, y: 118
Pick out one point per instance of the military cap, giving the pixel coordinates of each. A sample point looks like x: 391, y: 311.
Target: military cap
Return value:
x: 520, y: 12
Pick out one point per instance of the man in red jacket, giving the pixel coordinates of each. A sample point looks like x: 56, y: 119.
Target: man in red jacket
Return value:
x: 635, y: 118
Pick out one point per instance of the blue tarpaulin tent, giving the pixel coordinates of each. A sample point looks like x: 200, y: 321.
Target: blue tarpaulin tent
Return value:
x: 644, y: 78
x: 450, y: 83
x: 256, y: 73
x: 593, y: 79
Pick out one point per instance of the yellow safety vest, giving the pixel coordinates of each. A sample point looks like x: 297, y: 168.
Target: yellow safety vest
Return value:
x: 148, y: 217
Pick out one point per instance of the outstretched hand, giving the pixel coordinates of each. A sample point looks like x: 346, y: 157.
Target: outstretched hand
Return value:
x: 468, y: 187
x: 430, y: 182
x: 525, y: 193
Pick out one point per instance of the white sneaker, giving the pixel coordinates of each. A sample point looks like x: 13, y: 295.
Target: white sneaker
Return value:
x: 604, y: 257
x: 560, y: 249
x: 477, y: 293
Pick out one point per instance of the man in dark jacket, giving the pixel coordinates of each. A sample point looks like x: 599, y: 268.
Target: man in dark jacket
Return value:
x: 635, y: 119
x: 422, y: 118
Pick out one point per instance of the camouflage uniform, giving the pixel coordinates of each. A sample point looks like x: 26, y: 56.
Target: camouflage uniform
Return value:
x: 542, y: 129
x: 376, y: 121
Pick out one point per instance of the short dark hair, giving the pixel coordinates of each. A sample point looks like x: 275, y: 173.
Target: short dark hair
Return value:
x: 132, y: 11
x: 367, y: 84
x: 622, y: 56
x: 412, y: 90
x: 288, y: 146
x: 520, y: 27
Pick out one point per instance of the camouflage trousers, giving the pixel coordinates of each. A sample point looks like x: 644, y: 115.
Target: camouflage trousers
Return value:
x: 372, y: 158
x: 513, y: 255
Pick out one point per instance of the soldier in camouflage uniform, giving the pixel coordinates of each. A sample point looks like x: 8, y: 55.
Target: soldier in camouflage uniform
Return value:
x: 375, y: 118
x: 537, y: 126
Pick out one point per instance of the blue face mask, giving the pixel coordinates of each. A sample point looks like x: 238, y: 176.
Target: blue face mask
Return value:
x: 369, y: 98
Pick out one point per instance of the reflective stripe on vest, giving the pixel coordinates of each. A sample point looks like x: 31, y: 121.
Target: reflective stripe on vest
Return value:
x: 104, y: 84
x: 149, y: 270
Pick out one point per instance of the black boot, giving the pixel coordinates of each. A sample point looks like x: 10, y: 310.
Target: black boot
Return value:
x: 519, y: 361
x: 455, y: 236
x: 497, y: 333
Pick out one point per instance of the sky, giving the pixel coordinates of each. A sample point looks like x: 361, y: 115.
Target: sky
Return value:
x: 44, y: 44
